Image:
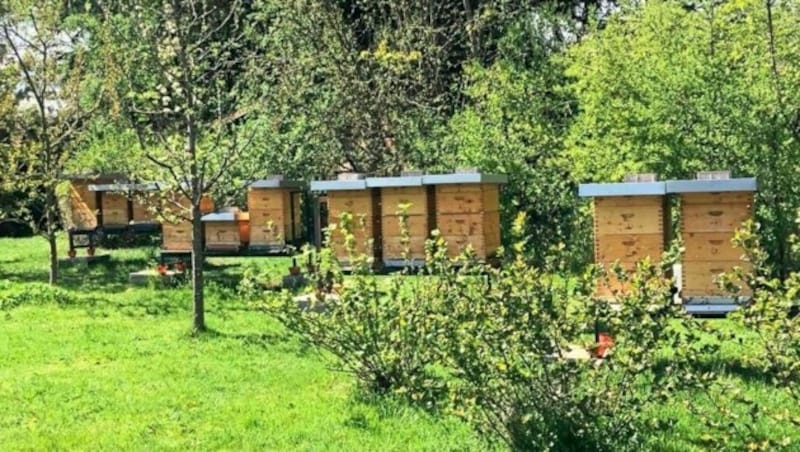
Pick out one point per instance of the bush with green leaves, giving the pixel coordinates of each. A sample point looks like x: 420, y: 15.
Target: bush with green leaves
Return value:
x: 515, y: 338
x: 378, y: 329
x: 766, y: 330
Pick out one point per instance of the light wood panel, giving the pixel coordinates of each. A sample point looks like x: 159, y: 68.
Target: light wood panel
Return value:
x: 115, y: 209
x: 628, y: 247
x: 699, y: 277
x: 222, y: 235
x: 82, y: 206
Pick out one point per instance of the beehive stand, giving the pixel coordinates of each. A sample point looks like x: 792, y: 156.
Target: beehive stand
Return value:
x: 711, y: 212
x: 417, y: 200
x: 631, y: 222
x: 467, y: 211
x: 352, y: 196
x: 274, y: 214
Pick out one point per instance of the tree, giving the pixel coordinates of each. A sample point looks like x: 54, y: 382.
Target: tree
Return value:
x: 54, y: 101
x: 181, y: 68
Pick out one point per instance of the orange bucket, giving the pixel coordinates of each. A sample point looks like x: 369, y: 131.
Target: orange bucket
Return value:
x: 243, y: 220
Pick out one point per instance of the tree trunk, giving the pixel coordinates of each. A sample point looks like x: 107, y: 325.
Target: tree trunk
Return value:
x: 199, y: 324
x: 50, y: 228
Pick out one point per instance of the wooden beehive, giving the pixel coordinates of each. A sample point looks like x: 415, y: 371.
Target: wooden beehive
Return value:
x: 221, y: 231
x: 363, y: 205
x: 467, y: 211
x: 631, y: 223
x: 408, y: 194
x: 176, y: 233
x: 274, y: 209
x: 81, y: 209
x: 711, y: 212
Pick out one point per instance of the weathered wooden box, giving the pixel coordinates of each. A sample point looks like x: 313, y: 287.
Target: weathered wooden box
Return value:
x: 352, y: 196
x: 221, y: 231
x: 711, y: 212
x: 275, y: 212
x: 467, y: 211
x: 631, y: 223
x: 404, y: 195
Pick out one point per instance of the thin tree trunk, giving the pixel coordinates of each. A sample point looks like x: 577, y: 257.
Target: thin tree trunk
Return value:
x: 199, y: 323
x: 50, y: 227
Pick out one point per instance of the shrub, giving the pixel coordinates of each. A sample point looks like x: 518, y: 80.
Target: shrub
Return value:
x: 510, y: 340
x: 377, y: 328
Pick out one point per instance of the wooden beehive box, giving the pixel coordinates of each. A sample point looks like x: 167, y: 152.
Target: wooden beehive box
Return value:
x: 221, y: 231
x: 417, y: 200
x: 631, y: 223
x: 363, y: 204
x: 176, y: 233
x: 467, y: 211
x: 711, y: 212
x: 274, y: 208
x: 122, y: 204
x: 80, y: 209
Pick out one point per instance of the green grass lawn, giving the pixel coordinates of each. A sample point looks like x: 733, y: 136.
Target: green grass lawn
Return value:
x: 97, y: 364
x: 105, y: 366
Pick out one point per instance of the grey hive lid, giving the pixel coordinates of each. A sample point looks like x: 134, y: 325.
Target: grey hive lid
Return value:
x: 622, y: 189
x: 464, y: 178
x: 124, y: 187
x: 399, y: 181
x: 336, y: 185
x: 276, y: 182
x: 219, y: 216
x: 712, y: 185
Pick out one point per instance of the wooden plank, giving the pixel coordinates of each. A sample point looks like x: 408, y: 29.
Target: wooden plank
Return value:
x: 176, y: 237
x: 710, y: 246
x: 393, y: 197
x: 628, y: 247
x: 459, y: 202
x: 459, y: 188
x: 460, y: 224
x: 223, y: 235
x: 734, y: 197
x: 417, y: 226
x: 714, y: 217
x: 626, y: 201
x: 266, y: 198
x: 491, y: 197
x: 637, y: 219
x: 115, y: 209
x: 393, y: 247
x: 456, y: 244
x: 698, y: 278
x: 353, y: 202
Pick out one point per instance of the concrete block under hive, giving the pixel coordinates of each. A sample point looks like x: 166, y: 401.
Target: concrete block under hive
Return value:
x: 275, y: 212
x: 352, y: 196
x: 408, y: 195
x: 631, y: 223
x: 467, y: 211
x: 711, y: 212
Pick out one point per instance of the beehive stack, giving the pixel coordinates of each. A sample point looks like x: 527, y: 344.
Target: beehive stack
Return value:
x: 711, y: 212
x: 350, y: 195
x: 176, y: 232
x: 221, y: 230
x: 467, y: 211
x: 404, y: 194
x: 630, y: 224
x: 274, y: 209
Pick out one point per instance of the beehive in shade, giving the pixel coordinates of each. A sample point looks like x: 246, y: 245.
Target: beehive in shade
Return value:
x: 631, y: 222
x: 176, y: 229
x: 123, y: 205
x: 80, y: 207
x: 274, y: 213
x: 350, y: 195
x: 221, y: 230
x: 404, y: 195
x: 711, y: 212
x: 467, y: 211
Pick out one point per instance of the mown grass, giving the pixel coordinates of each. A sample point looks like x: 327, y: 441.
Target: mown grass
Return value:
x: 101, y: 365
x: 98, y: 364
